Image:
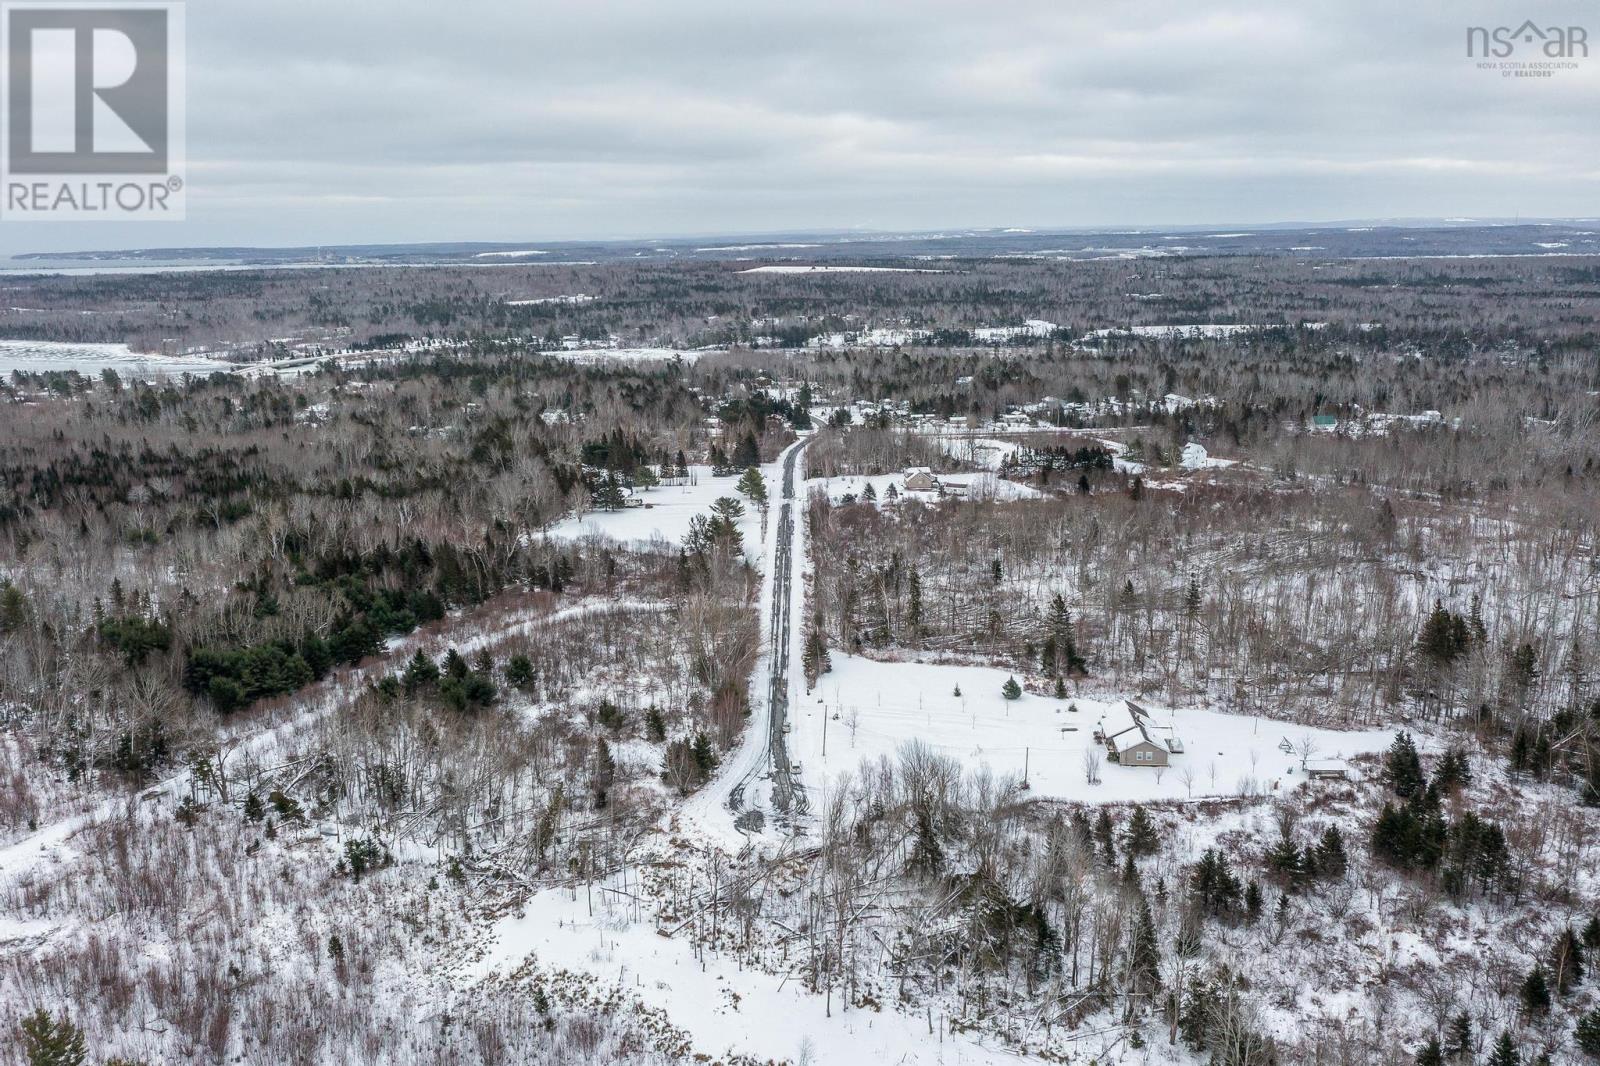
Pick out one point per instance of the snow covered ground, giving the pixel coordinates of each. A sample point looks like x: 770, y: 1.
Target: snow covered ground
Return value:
x: 979, y: 486
x: 625, y: 355
x: 668, y: 512
x: 729, y: 1009
x: 873, y: 708
x: 797, y: 268
x: 37, y: 357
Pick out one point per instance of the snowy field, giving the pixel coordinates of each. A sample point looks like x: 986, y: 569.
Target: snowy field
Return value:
x: 670, y: 508
x: 979, y: 486
x: 37, y: 357
x: 799, y: 269
x: 873, y: 708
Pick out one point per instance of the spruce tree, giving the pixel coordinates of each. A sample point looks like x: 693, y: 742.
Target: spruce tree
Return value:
x: 1141, y: 837
x: 1505, y: 1052
x: 1011, y: 690
x: 1536, y: 992
x: 1402, y: 768
x: 52, y: 1040
x: 1431, y: 1053
x: 1587, y: 1034
x: 1106, y: 838
x: 1144, y: 954
x: 1458, y: 1042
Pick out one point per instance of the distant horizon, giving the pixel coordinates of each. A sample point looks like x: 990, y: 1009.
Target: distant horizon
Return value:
x: 835, y: 233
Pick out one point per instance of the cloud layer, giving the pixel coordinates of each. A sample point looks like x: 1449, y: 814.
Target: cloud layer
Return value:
x: 361, y: 121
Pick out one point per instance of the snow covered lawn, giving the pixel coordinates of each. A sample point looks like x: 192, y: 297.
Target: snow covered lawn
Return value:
x: 979, y: 486
x: 872, y: 708
x: 670, y: 508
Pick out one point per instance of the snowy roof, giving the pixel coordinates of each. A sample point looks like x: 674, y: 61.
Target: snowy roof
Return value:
x: 1129, y: 718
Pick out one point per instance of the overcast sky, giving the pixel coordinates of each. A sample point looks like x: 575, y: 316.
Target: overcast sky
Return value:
x: 359, y: 121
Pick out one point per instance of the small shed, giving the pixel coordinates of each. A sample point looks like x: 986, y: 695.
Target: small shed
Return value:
x: 920, y: 479
x: 1327, y: 769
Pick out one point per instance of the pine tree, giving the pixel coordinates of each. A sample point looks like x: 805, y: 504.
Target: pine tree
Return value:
x: 1458, y: 1042
x: 1252, y: 902
x: 1144, y: 954
x: 1106, y: 838
x: 519, y: 672
x: 1505, y: 1052
x: 1011, y: 690
x: 1431, y: 1053
x: 1591, y: 933
x: 1331, y: 858
x: 1402, y: 768
x: 655, y: 726
x: 421, y: 672
x: 1587, y: 1034
x: 52, y: 1040
x: 1536, y: 992
x: 1141, y: 836
x: 753, y: 487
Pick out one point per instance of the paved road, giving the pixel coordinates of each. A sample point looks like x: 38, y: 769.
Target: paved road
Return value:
x: 788, y: 798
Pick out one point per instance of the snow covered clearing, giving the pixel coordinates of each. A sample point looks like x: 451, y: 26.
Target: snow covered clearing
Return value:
x: 871, y: 709
x: 729, y: 1008
x: 38, y: 357
x: 667, y: 510
x: 984, y: 485
x: 799, y: 269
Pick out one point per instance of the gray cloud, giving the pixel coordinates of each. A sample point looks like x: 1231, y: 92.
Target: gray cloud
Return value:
x: 360, y: 121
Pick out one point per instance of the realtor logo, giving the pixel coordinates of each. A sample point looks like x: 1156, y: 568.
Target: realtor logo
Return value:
x: 94, y: 119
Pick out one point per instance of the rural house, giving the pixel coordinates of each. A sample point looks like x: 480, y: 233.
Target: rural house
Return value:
x: 1126, y: 735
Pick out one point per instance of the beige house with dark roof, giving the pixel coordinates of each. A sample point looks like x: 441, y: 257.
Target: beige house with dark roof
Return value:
x: 1127, y: 738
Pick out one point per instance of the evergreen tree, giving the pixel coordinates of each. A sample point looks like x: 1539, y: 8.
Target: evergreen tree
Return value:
x: 705, y: 758
x: 1458, y: 1040
x: 1144, y: 954
x: 753, y: 487
x: 1505, y: 1052
x: 1215, y: 887
x: 1252, y: 902
x: 421, y: 672
x: 1453, y: 771
x: 655, y: 726
x: 1431, y: 1053
x: 1587, y: 1034
x: 1402, y: 768
x: 1141, y: 836
x: 1535, y: 992
x: 1011, y: 690
x: 1591, y: 933
x: 519, y: 672
x: 1332, y: 862
x: 1106, y: 838
x: 52, y: 1040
